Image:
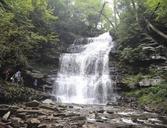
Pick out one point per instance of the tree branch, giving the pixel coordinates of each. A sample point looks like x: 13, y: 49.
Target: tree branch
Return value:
x: 100, y: 13
x: 108, y: 20
x: 156, y: 30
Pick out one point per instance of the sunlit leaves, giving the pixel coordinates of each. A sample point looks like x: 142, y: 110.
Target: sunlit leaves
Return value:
x: 25, y: 31
x: 162, y: 9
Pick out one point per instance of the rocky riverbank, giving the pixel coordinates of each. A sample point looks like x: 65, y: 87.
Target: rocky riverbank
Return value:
x: 48, y: 114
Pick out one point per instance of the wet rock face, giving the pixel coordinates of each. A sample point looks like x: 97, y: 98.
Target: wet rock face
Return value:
x: 38, y: 80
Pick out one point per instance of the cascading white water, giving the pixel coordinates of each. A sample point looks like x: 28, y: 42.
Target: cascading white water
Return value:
x: 84, y: 75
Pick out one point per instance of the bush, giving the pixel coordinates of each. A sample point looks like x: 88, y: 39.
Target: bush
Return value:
x: 154, y: 96
x: 132, y: 79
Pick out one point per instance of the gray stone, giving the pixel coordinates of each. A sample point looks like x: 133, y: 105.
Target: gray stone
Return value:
x: 21, y: 115
x: 33, y: 103
x: 62, y: 106
x: 72, y: 114
x: 38, y: 112
x: 33, y: 122
x: 150, y: 82
x: 35, y: 74
x: 100, y: 111
x: 59, y: 114
x: 17, y: 121
x: 110, y: 111
x: 6, y: 116
x: 149, y: 48
x: 47, y: 107
x: 42, y: 126
x: 48, y: 101
x: 78, y: 118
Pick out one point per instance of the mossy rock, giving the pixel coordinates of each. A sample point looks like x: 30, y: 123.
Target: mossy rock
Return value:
x: 10, y: 93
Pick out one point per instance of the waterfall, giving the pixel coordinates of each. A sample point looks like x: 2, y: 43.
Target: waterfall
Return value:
x: 84, y: 76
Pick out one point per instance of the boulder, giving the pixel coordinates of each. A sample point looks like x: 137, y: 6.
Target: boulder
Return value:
x: 30, y: 76
x: 38, y: 80
x: 6, y: 116
x: 33, y: 123
x: 16, y: 121
x: 35, y: 74
x: 78, y: 124
x: 48, y: 101
x: 110, y: 111
x: 21, y: 115
x: 150, y: 82
x: 100, y: 111
x: 33, y: 103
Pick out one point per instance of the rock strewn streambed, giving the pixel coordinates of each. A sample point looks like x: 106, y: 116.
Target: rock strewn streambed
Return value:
x: 51, y: 115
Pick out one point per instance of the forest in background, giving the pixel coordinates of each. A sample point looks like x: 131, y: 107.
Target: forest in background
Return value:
x: 35, y: 32
x: 33, y: 29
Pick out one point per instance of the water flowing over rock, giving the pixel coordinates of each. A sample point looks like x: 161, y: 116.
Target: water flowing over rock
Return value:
x: 84, y: 72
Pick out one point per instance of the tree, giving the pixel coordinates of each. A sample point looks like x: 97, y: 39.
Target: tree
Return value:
x: 25, y: 32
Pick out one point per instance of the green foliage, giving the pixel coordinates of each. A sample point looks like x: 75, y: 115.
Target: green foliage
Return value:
x: 161, y: 12
x: 90, y: 13
x: 25, y: 32
x: 132, y: 55
x: 154, y: 71
x: 153, y: 96
x: 81, y: 17
x: 17, y: 93
x: 134, y: 35
x: 133, y: 79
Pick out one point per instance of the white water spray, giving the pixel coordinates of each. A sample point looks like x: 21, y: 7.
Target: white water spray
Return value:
x: 84, y: 75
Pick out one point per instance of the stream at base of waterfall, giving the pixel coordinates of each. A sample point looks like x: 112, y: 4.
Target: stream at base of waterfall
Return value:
x: 84, y: 77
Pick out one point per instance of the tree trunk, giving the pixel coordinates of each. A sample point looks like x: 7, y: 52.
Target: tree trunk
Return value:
x: 100, y: 14
x: 135, y: 9
x: 115, y: 13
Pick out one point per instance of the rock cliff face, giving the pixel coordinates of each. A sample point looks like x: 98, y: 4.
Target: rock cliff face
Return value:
x: 151, y: 60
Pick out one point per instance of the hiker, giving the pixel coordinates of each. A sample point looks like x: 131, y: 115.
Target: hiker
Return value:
x: 7, y: 72
x: 35, y: 83
x: 17, y: 77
